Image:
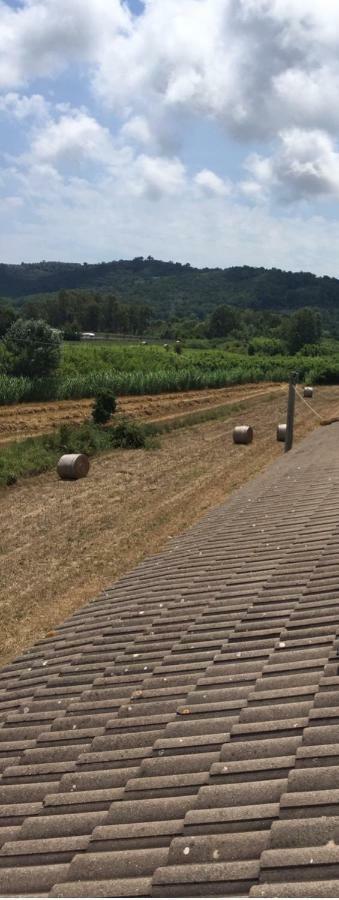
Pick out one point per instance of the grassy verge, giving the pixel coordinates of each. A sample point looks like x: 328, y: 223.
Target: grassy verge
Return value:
x: 40, y: 454
x: 185, y: 420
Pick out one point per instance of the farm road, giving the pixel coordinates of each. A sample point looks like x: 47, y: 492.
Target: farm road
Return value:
x: 63, y: 542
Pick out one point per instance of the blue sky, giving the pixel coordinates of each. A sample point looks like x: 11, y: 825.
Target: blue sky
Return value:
x: 196, y: 130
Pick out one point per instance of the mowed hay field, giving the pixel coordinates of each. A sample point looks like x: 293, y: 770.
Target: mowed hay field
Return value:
x: 30, y: 419
x: 63, y: 542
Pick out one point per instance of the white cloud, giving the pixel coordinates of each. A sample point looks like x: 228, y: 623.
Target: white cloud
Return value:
x: 258, y: 67
x: 137, y: 129
x: 212, y: 184
x: 309, y: 98
x: 237, y: 60
x: 40, y: 37
x: 72, y: 138
x: 11, y: 203
x: 264, y: 70
x: 156, y: 175
x: 23, y: 107
x: 76, y: 220
x: 305, y: 165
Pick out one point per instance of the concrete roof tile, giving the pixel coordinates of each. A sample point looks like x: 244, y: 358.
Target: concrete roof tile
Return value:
x: 179, y: 735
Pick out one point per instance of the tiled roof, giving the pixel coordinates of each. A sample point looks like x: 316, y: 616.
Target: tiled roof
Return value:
x: 179, y: 736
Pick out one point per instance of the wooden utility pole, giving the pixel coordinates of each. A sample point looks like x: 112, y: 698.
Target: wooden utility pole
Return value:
x: 290, y: 411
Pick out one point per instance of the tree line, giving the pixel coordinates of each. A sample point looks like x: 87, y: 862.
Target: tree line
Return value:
x: 74, y: 312
x: 171, y: 289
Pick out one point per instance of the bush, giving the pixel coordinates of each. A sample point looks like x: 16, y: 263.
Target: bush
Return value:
x: 71, y: 332
x: 12, y: 390
x: 104, y: 406
x: 267, y: 346
x: 86, y: 438
x: 129, y: 435
x: 310, y: 350
x: 34, y: 349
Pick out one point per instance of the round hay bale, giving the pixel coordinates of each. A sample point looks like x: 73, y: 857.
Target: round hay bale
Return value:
x: 308, y: 391
x: 243, y: 434
x: 72, y: 466
x: 281, y: 432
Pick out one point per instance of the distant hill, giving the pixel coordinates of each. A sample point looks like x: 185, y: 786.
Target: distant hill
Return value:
x: 172, y: 289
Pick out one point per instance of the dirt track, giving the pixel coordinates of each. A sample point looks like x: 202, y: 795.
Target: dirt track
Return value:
x: 26, y: 419
x: 62, y: 542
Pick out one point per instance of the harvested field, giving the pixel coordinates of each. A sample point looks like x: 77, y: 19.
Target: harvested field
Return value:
x: 29, y: 419
x: 63, y: 542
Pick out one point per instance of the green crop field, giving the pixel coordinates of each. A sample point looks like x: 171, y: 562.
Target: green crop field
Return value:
x: 151, y: 369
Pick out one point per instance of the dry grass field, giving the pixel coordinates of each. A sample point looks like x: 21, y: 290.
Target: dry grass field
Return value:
x: 63, y: 542
x: 29, y: 419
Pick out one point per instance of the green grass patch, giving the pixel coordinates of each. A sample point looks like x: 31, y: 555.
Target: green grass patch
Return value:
x: 186, y: 420
x: 41, y: 454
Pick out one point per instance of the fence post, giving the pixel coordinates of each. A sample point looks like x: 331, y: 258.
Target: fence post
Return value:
x: 290, y: 411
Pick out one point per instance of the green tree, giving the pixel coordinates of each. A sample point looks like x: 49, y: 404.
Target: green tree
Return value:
x: 34, y: 348
x: 7, y: 317
x: 71, y: 332
x: 221, y: 322
x: 104, y: 406
x: 303, y: 327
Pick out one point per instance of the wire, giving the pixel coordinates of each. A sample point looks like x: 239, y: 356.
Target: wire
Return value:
x: 308, y: 404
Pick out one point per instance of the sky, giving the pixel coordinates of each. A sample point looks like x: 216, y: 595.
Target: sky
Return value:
x: 203, y: 131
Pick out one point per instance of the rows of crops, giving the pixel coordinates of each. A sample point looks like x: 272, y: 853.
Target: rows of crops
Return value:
x: 152, y: 370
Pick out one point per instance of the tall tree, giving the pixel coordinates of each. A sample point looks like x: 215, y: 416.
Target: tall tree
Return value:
x: 7, y: 317
x: 222, y: 321
x: 34, y: 348
x: 303, y: 327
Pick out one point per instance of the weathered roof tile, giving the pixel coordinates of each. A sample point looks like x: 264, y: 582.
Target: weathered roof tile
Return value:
x: 180, y: 734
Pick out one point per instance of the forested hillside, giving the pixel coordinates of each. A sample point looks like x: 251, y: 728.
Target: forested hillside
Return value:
x: 174, y: 290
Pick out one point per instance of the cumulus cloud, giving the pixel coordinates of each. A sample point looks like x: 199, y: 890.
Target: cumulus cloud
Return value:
x: 41, y: 37
x: 73, y: 137
x: 157, y: 175
x: 253, y: 64
x: 212, y: 184
x: 238, y: 60
x: 102, y: 216
x: 23, y: 106
x: 137, y: 129
x: 305, y: 165
x: 264, y: 72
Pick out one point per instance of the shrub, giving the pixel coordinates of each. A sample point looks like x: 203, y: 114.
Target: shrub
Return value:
x: 12, y: 390
x: 104, y: 406
x: 129, y: 434
x: 71, y: 332
x: 86, y: 438
x: 267, y: 346
x: 310, y: 350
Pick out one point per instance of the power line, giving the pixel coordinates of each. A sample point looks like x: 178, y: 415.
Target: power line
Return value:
x: 308, y: 404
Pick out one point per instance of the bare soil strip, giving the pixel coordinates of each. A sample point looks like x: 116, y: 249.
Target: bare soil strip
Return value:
x: 61, y: 543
